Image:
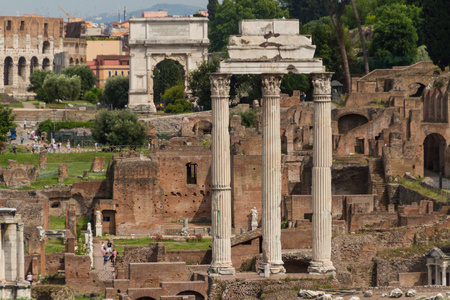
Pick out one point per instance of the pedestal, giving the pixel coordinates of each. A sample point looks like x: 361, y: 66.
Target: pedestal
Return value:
x: 98, y: 230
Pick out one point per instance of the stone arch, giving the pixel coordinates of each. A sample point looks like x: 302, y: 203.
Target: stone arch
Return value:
x: 81, y: 61
x: 197, y: 295
x: 71, y: 61
x: 416, y: 89
x: 77, y: 62
x: 145, y: 298
x: 8, y: 71
x: 188, y: 45
x: 202, y: 127
x: 46, y: 64
x: 46, y: 47
x: 21, y: 70
x: 350, y: 121
x: 434, y: 147
x: 34, y: 63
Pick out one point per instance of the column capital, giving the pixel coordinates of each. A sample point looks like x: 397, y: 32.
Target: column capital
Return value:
x: 270, y: 84
x: 220, y: 84
x: 321, y: 83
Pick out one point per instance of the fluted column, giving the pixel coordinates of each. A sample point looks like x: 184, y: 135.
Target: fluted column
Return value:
x: 2, y: 259
x: 444, y: 274
x: 321, y: 176
x: 429, y: 274
x: 221, y: 177
x: 437, y: 280
x: 271, y: 173
x: 20, y: 253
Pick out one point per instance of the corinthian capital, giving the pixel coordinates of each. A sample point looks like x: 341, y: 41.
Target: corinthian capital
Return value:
x: 220, y: 85
x: 321, y: 83
x: 271, y: 84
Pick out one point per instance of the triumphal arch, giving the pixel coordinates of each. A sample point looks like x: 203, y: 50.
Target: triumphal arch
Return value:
x: 271, y: 48
x: 152, y: 40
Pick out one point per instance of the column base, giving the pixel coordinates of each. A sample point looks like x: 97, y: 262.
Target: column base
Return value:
x: 322, y: 268
x: 273, y: 269
x: 98, y: 230
x: 217, y: 271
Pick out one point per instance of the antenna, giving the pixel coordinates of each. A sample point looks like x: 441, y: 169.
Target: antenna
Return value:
x: 124, y: 13
x: 118, y: 15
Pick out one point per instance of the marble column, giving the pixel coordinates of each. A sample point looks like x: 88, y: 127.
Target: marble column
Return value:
x: 444, y: 274
x: 436, y: 275
x: 221, y: 177
x: 430, y: 282
x: 321, y: 176
x: 10, y: 252
x: 2, y: 259
x: 20, y: 253
x: 271, y: 173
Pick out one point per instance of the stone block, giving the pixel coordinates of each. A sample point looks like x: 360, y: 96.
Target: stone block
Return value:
x: 98, y: 165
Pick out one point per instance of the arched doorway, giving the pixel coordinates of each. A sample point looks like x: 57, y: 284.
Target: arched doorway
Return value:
x: 21, y: 68
x: 33, y: 64
x: 350, y: 121
x: 434, y: 151
x: 197, y: 295
x: 8, y: 71
x: 166, y: 74
x: 77, y: 62
x: 146, y: 298
x: 202, y: 128
x: 71, y: 61
x: 46, y: 47
x: 46, y: 64
x: 416, y: 89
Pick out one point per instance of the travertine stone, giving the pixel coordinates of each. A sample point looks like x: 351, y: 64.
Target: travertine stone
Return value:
x: 221, y: 178
x: 20, y: 254
x: 321, y: 176
x: 271, y: 173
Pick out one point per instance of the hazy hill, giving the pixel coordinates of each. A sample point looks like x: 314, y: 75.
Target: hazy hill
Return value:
x: 172, y: 9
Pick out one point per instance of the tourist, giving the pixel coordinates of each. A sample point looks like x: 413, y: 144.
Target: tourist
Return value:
x: 28, y: 148
x: 96, y: 146
x: 105, y: 260
x: 303, y: 97
x: 30, y: 278
x: 114, y: 257
x: 21, y: 140
x: 68, y: 146
x: 103, y: 249
x: 14, y: 148
x: 78, y: 148
x: 25, y: 124
x: 109, y: 246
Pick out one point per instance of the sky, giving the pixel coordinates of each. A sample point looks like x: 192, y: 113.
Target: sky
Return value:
x: 81, y: 8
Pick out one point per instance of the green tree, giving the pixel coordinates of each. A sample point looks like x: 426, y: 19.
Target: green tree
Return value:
x: 294, y: 82
x: 61, y: 87
x: 436, y: 29
x: 94, y: 95
x: 394, y: 33
x: 304, y: 10
x: 200, y: 84
x: 6, y: 122
x: 37, y: 81
x: 118, y: 127
x: 174, y: 100
x: 212, y: 7
x: 115, y: 91
x: 230, y: 12
x: 86, y: 74
x: 166, y: 74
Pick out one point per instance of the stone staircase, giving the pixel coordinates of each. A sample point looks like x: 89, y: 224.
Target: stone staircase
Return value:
x: 379, y: 186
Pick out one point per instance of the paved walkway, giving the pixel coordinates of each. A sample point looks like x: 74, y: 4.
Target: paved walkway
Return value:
x: 28, y: 105
x: 106, y: 273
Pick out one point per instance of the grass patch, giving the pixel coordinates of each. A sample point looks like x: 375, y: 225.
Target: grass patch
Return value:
x: 54, y: 246
x: 57, y: 223
x: 65, y: 102
x: 170, y: 244
x: 82, y: 297
x: 16, y: 105
x: 415, y: 185
x: 408, y: 252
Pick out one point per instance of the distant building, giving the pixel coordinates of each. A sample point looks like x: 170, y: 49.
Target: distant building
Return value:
x: 105, y: 66
x: 27, y: 43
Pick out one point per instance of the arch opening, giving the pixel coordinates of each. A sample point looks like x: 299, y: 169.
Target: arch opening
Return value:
x: 46, y: 47
x: 145, y: 298
x: 202, y: 128
x: 21, y: 68
x: 350, y: 121
x: 197, y: 295
x: 434, y: 147
x: 33, y: 64
x: 166, y: 74
x: 417, y: 89
x: 71, y: 61
x: 8, y: 71
x: 46, y: 64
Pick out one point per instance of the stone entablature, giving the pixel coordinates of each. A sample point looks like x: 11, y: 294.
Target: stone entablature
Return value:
x: 152, y: 40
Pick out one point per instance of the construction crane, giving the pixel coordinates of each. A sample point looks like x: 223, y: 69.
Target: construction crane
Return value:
x: 71, y: 19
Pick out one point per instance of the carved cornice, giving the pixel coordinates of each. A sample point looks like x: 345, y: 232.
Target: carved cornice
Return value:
x: 220, y: 85
x: 321, y: 83
x: 270, y: 84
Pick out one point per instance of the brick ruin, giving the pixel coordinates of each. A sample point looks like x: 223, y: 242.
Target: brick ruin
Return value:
x: 18, y: 176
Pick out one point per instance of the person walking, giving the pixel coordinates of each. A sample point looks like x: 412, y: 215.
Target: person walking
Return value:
x: 25, y: 124
x: 105, y: 260
x: 30, y: 278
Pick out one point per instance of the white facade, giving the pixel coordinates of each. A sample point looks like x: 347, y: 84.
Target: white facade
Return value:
x: 152, y: 40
